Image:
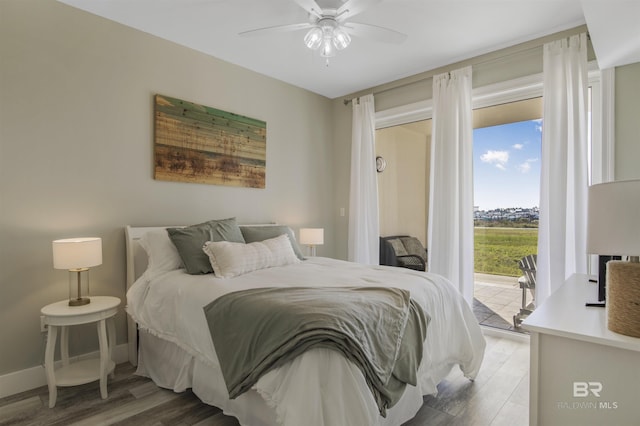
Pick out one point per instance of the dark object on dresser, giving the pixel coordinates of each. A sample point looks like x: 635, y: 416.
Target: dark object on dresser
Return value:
x: 602, y: 275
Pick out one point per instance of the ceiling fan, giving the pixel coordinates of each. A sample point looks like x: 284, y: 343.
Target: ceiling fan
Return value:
x: 329, y: 28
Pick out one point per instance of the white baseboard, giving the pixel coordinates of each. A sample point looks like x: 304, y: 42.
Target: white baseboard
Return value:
x: 31, y: 378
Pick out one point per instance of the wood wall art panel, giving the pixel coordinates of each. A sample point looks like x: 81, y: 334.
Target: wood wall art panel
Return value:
x: 199, y: 144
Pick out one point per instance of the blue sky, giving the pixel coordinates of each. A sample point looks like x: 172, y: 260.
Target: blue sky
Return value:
x: 506, y: 165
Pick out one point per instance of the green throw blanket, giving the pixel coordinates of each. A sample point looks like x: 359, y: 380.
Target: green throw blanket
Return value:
x: 380, y: 329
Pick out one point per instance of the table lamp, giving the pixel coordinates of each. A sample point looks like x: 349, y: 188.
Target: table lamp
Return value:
x: 77, y: 255
x: 613, y: 228
x: 312, y: 237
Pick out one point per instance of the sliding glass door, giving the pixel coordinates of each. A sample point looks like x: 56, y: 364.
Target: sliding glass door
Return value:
x: 507, y: 122
x: 506, y: 167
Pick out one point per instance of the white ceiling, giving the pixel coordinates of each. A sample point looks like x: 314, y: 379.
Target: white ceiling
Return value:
x: 440, y: 32
x: 614, y: 27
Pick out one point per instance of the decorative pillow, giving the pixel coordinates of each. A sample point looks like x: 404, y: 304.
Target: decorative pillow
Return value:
x: 414, y: 246
x: 226, y: 230
x: 161, y: 252
x: 232, y: 259
x: 189, y: 242
x: 398, y: 247
x: 253, y: 233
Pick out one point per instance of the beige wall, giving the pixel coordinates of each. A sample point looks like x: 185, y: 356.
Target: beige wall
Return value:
x: 501, y: 65
x: 76, y: 120
x: 342, y: 117
x: 403, y: 195
x: 627, y: 128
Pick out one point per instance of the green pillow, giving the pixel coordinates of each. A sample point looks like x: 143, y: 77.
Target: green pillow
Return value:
x: 253, y: 233
x: 190, y: 240
x: 226, y: 230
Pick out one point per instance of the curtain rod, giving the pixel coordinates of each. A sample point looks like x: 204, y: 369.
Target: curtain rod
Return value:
x: 408, y: 83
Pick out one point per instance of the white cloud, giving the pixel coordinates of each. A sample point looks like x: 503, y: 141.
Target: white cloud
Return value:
x: 539, y: 124
x: 499, y: 158
x: 517, y: 146
x: 526, y: 166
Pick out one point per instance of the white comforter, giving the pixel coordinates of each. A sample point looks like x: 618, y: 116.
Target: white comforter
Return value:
x: 319, y: 387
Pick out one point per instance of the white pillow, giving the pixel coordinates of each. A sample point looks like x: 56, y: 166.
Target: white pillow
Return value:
x: 161, y: 252
x: 232, y: 259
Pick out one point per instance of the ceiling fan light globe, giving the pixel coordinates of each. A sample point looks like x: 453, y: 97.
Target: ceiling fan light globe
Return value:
x: 313, y: 38
x: 327, y: 50
x: 341, y: 39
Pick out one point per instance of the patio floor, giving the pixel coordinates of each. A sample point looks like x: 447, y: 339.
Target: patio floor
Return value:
x: 496, y: 300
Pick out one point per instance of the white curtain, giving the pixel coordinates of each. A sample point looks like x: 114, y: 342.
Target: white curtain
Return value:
x: 364, y: 231
x: 451, y: 192
x: 563, y: 180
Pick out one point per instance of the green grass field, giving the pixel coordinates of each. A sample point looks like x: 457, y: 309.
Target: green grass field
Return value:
x: 497, y: 250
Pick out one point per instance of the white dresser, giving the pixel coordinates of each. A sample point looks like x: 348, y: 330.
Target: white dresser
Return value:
x: 581, y: 373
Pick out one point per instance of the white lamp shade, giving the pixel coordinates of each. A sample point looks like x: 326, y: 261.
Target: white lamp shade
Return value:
x: 76, y: 253
x: 312, y: 236
x: 613, y: 226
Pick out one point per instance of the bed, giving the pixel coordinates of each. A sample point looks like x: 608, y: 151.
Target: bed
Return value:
x: 169, y: 337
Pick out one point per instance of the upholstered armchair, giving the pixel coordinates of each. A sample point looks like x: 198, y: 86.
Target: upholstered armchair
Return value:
x: 403, y: 251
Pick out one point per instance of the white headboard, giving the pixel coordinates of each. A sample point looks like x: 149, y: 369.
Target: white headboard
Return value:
x: 136, y: 256
x: 136, y: 265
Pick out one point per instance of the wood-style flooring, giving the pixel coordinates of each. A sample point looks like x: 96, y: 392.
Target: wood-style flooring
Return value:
x: 499, y: 396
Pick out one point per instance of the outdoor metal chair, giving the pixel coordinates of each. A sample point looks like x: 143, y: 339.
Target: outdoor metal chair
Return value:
x: 527, y: 282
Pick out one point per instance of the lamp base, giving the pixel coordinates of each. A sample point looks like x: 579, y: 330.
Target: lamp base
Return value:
x: 78, y: 285
x: 623, y: 297
x: 80, y: 301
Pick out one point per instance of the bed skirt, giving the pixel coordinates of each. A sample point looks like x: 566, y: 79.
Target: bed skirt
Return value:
x: 171, y: 367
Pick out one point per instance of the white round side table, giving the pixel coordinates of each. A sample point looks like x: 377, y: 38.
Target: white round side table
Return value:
x: 60, y: 315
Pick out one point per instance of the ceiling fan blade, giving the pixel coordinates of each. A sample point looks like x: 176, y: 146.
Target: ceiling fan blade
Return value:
x: 353, y: 7
x: 374, y: 32
x: 276, y: 29
x: 310, y: 6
